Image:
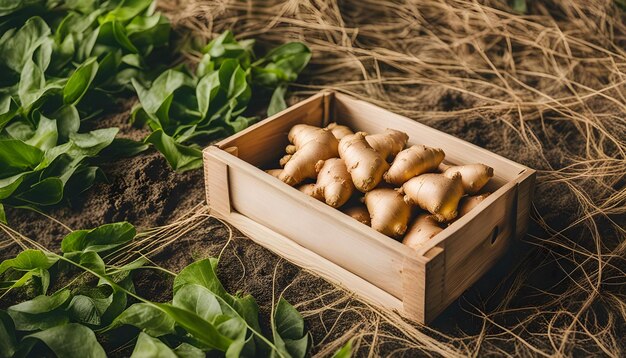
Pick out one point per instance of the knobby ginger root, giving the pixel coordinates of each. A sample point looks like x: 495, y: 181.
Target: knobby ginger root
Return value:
x: 389, y: 213
x: 311, y: 190
x: 365, y: 165
x: 310, y: 150
x: 413, y: 161
x: 388, y: 143
x: 424, y: 228
x: 359, y: 213
x: 474, y: 176
x: 339, y: 131
x: 334, y: 183
x: 468, y: 203
x: 274, y: 172
x: 299, y: 135
x: 436, y: 193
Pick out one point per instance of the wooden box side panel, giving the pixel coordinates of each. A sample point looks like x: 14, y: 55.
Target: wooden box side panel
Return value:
x: 263, y: 143
x: 367, y: 117
x: 469, y: 250
x: 319, y: 228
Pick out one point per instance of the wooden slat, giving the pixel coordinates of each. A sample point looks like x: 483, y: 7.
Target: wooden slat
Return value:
x: 307, y: 259
x: 263, y: 143
x: 316, y: 226
x: 216, y: 181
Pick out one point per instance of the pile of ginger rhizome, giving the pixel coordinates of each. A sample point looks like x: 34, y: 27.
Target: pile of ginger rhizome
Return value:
x: 407, y: 194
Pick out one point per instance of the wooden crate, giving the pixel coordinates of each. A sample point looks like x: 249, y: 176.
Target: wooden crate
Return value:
x: 418, y: 284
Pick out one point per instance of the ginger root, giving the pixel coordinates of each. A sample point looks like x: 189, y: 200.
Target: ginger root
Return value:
x: 311, y: 190
x: 359, y: 213
x: 435, y: 193
x: 389, y: 143
x: 274, y: 172
x: 389, y: 213
x: 365, y: 165
x: 468, y: 203
x: 312, y: 145
x: 334, y: 183
x: 339, y: 131
x: 424, y: 228
x: 413, y: 161
x: 474, y: 176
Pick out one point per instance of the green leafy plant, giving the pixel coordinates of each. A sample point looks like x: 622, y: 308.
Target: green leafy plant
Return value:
x: 201, y: 318
x: 64, y: 63
x: 185, y: 108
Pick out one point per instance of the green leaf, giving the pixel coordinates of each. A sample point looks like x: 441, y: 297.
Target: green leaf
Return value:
x: 277, y: 103
x: 102, y: 238
x: 146, y: 317
x: 288, y: 330
x: 8, y: 343
x: 28, y: 260
x: 19, y: 47
x: 3, y: 215
x: 32, y: 83
x: 89, y: 310
x: 79, y: 82
x: 180, y: 157
x: 17, y: 156
x: 46, y: 135
x: 46, y: 192
x: 113, y: 34
x: 206, y: 91
x: 41, y: 312
x: 68, y: 122
x: 8, y: 109
x: 520, y: 6
x: 201, y: 273
x: 163, y: 87
x: 149, y: 347
x: 345, y: 351
x: 92, y: 261
x: 204, y: 332
x: 148, y: 32
x: 70, y: 340
x: 281, y: 65
x: 185, y: 350
x: 127, y: 9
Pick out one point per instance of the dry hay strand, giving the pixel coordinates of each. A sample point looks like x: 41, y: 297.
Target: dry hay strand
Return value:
x: 552, y: 82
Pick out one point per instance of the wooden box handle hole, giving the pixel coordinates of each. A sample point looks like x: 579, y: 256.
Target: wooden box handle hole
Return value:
x: 494, y: 234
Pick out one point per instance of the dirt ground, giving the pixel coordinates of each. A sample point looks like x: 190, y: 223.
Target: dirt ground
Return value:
x: 503, y: 313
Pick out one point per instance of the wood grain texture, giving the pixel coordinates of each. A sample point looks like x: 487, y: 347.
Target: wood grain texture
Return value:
x: 315, y: 236
x: 308, y: 260
x: 216, y: 179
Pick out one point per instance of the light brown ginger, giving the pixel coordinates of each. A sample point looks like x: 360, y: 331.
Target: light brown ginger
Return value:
x: 468, y: 203
x: 365, y: 165
x: 474, y: 176
x: 423, y: 228
x: 435, y: 193
x: 312, y: 145
x: 334, y: 183
x: 274, y: 172
x: 389, y: 213
x: 358, y: 212
x: 339, y: 131
x: 389, y: 143
x: 413, y: 161
x: 311, y: 190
